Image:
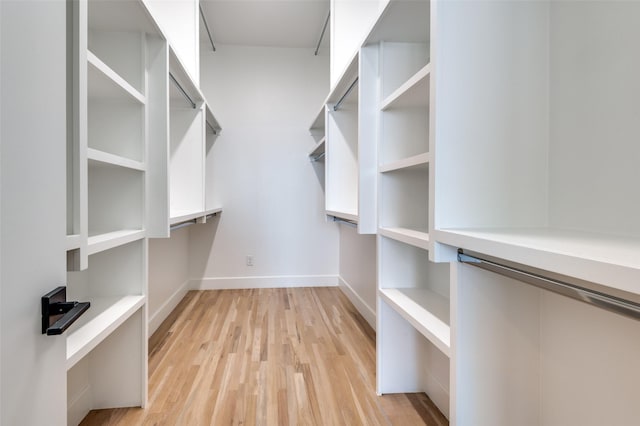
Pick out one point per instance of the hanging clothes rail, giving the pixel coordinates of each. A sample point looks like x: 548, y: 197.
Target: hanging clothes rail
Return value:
x: 318, y: 157
x: 213, y: 129
x: 542, y: 279
x: 324, y: 28
x: 184, y: 93
x: 206, y: 27
x: 347, y: 221
x: 337, y: 105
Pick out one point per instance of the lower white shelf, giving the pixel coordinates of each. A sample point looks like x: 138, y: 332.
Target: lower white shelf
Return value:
x: 426, y: 310
x: 413, y: 237
x: 103, y: 317
x: 109, y: 240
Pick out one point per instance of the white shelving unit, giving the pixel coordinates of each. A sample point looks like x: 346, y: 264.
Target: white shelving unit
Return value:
x: 107, y: 167
x: 540, y: 175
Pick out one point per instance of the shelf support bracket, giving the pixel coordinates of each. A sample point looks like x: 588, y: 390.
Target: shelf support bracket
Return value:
x: 57, y: 313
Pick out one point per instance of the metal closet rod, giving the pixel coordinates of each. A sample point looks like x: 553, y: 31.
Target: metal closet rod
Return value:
x: 347, y: 221
x: 206, y: 27
x: 189, y: 222
x: 337, y: 105
x: 318, y: 157
x: 538, y: 279
x: 324, y: 28
x: 213, y: 129
x: 184, y: 93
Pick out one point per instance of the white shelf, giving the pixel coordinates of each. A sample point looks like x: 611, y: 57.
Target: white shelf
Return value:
x: 401, y: 21
x: 352, y: 217
x: 319, y: 148
x: 105, y: 83
x: 211, y: 119
x: 109, y: 240
x: 405, y: 163
x: 73, y: 242
x: 318, y: 123
x: 179, y: 216
x: 611, y: 261
x: 426, y: 310
x: 101, y: 157
x: 103, y: 317
x: 413, y: 93
x: 412, y: 237
x: 182, y: 75
x: 347, y: 77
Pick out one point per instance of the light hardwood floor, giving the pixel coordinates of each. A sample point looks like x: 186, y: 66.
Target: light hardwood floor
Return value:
x: 300, y: 356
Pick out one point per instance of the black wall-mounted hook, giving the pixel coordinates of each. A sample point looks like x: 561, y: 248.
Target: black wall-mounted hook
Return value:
x: 57, y: 313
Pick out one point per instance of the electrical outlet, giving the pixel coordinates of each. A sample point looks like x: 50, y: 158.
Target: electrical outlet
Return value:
x: 249, y: 260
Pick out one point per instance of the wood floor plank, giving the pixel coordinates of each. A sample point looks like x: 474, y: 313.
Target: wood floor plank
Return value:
x: 297, y: 356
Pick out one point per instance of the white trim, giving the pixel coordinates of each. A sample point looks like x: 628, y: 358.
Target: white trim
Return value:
x: 79, y: 406
x: 276, y: 281
x: 365, y: 310
x: 156, y: 318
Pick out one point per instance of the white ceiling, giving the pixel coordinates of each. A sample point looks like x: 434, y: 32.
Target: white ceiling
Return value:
x: 287, y: 23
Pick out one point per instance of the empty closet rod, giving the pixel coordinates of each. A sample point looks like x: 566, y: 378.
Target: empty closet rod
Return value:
x: 536, y: 278
x: 324, y: 28
x: 185, y: 94
x: 347, y: 221
x: 213, y: 129
x: 317, y: 157
x: 337, y: 105
x: 206, y: 27
x: 182, y: 225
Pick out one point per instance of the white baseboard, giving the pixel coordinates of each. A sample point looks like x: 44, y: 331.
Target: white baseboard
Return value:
x: 79, y: 406
x: 167, y: 307
x: 365, y: 310
x: 278, y: 281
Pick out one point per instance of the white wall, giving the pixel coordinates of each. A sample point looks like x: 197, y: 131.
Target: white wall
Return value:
x: 265, y: 99
x: 168, y: 275
x: 358, y: 270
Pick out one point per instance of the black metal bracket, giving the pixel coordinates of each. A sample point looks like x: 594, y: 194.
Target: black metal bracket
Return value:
x: 57, y: 313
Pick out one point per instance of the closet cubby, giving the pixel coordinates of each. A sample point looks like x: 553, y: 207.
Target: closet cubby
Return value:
x: 106, y: 347
x: 413, y: 321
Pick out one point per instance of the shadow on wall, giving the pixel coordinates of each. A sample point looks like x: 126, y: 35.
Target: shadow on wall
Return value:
x: 201, y: 251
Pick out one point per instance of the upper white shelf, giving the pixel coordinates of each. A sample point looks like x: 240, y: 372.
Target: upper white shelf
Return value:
x: 184, y: 79
x: 105, y: 83
x: 102, y: 318
x: 402, y: 21
x: 426, y: 310
x: 413, y: 93
x: 347, y: 78
x: 100, y: 157
x: 420, y: 160
x: 131, y: 15
x: 412, y: 237
x: 611, y: 261
x: 109, y: 240
x: 73, y: 242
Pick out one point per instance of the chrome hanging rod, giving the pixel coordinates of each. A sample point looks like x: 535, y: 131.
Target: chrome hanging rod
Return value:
x: 185, y: 94
x: 318, y: 157
x: 538, y: 279
x: 346, y: 221
x: 337, y: 105
x: 182, y: 225
x: 324, y: 28
x: 206, y: 27
x: 213, y: 129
